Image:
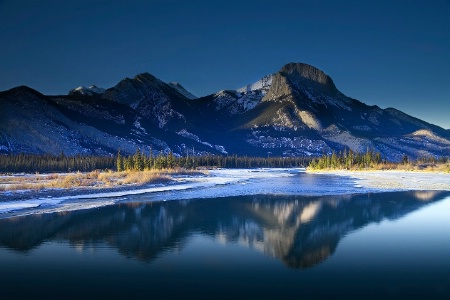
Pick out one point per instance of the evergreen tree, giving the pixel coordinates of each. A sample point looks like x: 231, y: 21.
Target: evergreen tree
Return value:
x: 404, y: 159
x: 170, y: 160
x: 138, y: 162
x: 119, y: 162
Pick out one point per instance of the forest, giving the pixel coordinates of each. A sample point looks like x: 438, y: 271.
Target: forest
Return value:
x: 372, y: 160
x: 347, y: 159
x: 140, y: 162
x: 47, y: 163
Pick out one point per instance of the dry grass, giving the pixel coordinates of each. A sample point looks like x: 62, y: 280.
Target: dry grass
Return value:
x: 428, y: 167
x: 145, y: 177
x: 94, y: 179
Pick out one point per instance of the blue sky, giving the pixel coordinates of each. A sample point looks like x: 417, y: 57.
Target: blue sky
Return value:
x: 388, y: 53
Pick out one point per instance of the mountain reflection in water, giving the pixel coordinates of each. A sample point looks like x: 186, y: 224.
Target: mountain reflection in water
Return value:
x: 300, y: 231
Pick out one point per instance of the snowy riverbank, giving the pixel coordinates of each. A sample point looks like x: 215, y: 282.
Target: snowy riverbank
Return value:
x: 396, y: 180
x: 224, y: 183
x: 22, y: 202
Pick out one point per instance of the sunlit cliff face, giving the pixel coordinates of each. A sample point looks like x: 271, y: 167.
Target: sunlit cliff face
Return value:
x: 300, y: 231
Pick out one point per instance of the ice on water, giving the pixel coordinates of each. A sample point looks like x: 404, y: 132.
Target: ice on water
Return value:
x: 220, y: 183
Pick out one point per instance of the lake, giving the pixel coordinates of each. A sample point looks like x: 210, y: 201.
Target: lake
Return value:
x: 360, y: 246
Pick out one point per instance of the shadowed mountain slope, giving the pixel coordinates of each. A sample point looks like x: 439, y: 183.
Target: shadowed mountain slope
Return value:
x: 296, y: 111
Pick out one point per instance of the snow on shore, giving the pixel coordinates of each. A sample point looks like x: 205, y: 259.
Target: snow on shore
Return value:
x: 236, y: 182
x: 397, y: 180
x: 91, y: 200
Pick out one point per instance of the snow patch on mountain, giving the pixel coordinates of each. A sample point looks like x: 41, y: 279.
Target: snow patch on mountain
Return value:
x: 350, y: 141
x: 250, y: 95
x: 89, y: 91
x: 194, y: 137
x: 262, y: 85
x: 429, y: 135
x: 224, y: 98
x: 301, y: 145
x: 244, y: 99
x: 221, y: 149
x: 188, y: 135
x: 139, y: 129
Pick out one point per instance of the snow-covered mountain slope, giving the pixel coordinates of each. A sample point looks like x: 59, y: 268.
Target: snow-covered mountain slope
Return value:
x: 89, y: 91
x: 262, y: 85
x: 228, y: 103
x: 296, y: 111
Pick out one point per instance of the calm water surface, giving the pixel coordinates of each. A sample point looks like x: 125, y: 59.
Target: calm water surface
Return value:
x: 382, y: 246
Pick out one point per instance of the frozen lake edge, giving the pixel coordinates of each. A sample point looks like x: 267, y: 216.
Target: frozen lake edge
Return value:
x: 227, y: 182
x: 385, y: 181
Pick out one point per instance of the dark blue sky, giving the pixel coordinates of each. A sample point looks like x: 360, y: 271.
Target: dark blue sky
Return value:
x: 389, y: 53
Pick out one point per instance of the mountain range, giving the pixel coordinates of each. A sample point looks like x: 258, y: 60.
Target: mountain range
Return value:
x: 296, y: 111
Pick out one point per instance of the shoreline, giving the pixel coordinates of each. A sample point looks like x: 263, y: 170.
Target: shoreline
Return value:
x: 21, y: 202
x: 25, y: 186
x: 83, y: 192
x: 394, y: 180
x: 384, y: 180
x: 17, y: 203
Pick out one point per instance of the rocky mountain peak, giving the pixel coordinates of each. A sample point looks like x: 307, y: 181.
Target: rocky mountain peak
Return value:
x: 304, y: 72
x: 23, y: 89
x: 279, y: 89
x: 294, y: 78
x: 262, y: 85
x: 90, y: 91
x: 296, y: 111
x: 180, y: 89
x: 132, y: 91
x: 146, y: 78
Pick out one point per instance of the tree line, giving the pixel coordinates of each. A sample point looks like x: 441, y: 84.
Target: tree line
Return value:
x: 31, y: 163
x: 140, y: 162
x: 348, y: 159
x: 433, y: 160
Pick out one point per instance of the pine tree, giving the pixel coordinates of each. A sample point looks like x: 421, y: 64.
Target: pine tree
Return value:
x: 137, y: 161
x: 404, y: 159
x: 119, y: 162
x: 150, y: 160
x: 170, y: 160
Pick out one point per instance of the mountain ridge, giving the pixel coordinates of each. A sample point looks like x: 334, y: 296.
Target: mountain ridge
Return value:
x: 295, y: 111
